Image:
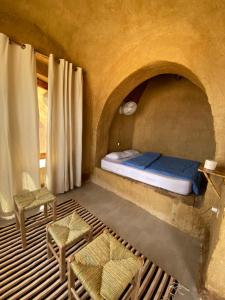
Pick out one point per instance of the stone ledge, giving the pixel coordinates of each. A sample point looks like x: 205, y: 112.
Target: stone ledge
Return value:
x: 174, y: 209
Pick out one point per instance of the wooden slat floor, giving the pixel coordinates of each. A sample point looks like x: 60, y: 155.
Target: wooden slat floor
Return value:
x: 29, y: 275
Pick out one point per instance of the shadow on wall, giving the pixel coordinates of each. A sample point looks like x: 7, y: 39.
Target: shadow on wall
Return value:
x: 16, y: 28
x: 173, y: 117
x: 122, y: 127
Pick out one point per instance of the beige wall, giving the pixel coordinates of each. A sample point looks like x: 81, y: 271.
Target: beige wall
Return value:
x: 122, y: 43
x: 174, y: 118
x: 172, y: 208
x: 121, y: 133
x: 122, y: 127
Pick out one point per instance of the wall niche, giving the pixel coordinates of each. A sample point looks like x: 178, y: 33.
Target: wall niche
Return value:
x: 173, y: 117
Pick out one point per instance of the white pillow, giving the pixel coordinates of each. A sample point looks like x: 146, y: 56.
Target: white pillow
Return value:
x: 117, y: 155
x: 131, y: 152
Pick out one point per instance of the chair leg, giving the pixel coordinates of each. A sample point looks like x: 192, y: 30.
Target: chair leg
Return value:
x: 62, y: 263
x: 17, y: 220
x: 16, y: 214
x: 54, y: 210
x: 136, y: 283
x: 49, y: 252
x: 90, y: 236
x: 22, y: 228
x: 71, y: 279
x: 45, y: 210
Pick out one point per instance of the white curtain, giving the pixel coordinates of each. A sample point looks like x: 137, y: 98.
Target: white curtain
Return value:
x: 19, y: 137
x: 65, y: 118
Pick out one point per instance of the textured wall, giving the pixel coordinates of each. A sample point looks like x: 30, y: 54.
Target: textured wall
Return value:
x: 122, y: 127
x: 174, y: 118
x: 121, y: 133
x: 122, y: 43
x: 174, y: 209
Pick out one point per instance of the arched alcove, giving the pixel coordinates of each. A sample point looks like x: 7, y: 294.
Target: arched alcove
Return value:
x: 173, y: 117
x: 172, y: 209
x: 130, y: 83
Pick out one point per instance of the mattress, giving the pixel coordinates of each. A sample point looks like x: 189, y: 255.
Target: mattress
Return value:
x: 170, y: 183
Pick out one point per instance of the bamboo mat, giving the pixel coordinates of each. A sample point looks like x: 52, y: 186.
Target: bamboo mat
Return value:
x: 28, y: 274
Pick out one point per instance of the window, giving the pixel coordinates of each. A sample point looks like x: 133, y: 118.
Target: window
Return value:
x: 43, y: 111
x: 43, y: 114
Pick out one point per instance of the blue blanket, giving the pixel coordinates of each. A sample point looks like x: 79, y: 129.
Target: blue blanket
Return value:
x: 143, y: 161
x: 179, y: 168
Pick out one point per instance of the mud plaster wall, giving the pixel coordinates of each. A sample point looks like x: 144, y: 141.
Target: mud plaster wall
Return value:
x: 112, y: 40
x: 121, y: 133
x: 122, y: 127
x: 173, y: 118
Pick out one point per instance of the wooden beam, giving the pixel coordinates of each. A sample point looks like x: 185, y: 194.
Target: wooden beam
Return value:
x: 42, y: 77
x: 43, y: 155
x: 43, y: 80
x: 42, y: 84
x: 41, y: 57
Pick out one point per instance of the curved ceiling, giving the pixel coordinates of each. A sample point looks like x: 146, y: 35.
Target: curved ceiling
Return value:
x: 90, y: 25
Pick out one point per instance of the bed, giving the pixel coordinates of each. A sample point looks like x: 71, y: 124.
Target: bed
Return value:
x: 159, y: 173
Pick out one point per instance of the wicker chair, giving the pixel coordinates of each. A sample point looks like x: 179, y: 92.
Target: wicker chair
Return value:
x: 105, y: 268
x: 66, y: 232
x: 28, y: 201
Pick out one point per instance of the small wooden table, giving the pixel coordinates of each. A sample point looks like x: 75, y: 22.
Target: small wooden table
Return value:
x: 30, y: 200
x: 219, y: 172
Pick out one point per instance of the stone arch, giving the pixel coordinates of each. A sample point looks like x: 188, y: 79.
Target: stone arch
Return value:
x: 125, y: 87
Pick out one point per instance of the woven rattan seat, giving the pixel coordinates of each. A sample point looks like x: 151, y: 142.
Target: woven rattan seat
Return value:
x: 66, y: 232
x: 33, y: 199
x: 105, y: 267
x: 29, y: 200
x: 68, y: 229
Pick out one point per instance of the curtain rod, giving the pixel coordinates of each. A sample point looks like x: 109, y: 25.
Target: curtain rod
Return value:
x: 40, y: 56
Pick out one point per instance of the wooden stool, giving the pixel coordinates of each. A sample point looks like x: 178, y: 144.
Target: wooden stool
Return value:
x: 105, y: 268
x: 66, y: 232
x: 30, y: 200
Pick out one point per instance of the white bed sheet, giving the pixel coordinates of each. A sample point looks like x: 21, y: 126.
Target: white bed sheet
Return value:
x: 179, y: 186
